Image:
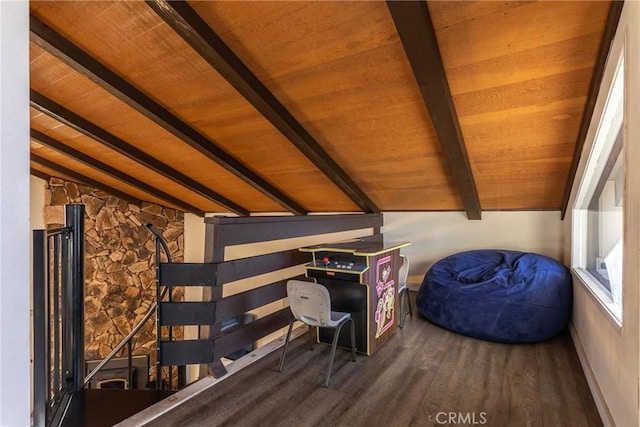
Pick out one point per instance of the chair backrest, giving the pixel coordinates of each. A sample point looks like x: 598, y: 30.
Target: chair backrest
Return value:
x: 309, y: 302
x: 403, y: 273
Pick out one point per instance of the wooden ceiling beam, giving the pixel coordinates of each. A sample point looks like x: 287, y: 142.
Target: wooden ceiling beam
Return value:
x: 202, y: 38
x: 615, y: 10
x: 63, y: 115
x: 112, y: 172
x: 414, y: 26
x: 40, y: 174
x: 79, y: 178
x: 58, y: 46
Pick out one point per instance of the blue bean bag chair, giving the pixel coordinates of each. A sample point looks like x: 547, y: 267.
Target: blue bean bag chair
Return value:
x: 498, y: 295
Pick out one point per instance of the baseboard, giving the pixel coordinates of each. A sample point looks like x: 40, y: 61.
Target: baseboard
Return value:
x: 598, y: 397
x: 156, y: 411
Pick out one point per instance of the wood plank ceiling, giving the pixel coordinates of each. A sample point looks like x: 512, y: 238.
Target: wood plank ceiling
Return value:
x: 302, y: 107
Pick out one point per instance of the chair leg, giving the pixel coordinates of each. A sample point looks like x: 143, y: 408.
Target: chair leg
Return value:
x: 401, y: 319
x: 353, y: 340
x: 336, y: 334
x: 403, y: 314
x: 286, y: 344
x: 312, y: 329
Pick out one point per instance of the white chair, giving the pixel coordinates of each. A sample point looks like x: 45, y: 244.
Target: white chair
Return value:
x: 403, y: 290
x: 310, y: 303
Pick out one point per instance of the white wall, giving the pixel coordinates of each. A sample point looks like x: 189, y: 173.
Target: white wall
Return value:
x: 193, y: 252
x: 434, y: 235
x: 15, y: 369
x: 36, y: 203
x: 610, y: 353
x: 36, y: 222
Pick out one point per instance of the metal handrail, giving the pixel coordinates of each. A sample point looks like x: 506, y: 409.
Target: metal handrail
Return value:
x: 126, y: 339
x: 59, y: 231
x: 146, y: 317
x: 160, y: 239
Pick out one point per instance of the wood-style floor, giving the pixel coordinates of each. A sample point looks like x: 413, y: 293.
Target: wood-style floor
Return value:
x: 423, y: 376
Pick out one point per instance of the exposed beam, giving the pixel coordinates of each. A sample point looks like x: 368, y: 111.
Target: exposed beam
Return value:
x: 615, y: 10
x: 113, y: 172
x: 199, y: 35
x: 58, y: 112
x: 79, y: 178
x: 413, y: 22
x: 55, y: 44
x: 39, y: 174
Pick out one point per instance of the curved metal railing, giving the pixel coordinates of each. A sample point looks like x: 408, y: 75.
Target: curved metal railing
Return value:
x: 152, y: 309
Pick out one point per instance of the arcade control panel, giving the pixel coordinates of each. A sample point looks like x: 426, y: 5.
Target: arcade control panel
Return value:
x: 337, y: 266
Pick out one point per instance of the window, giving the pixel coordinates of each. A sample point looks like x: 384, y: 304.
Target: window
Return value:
x: 605, y: 225
x: 598, y: 213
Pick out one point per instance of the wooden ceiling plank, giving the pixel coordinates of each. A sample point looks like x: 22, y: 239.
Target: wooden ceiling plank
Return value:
x: 79, y: 178
x: 413, y: 22
x: 204, y: 40
x: 58, y: 112
x: 55, y: 44
x: 108, y: 170
x: 615, y: 10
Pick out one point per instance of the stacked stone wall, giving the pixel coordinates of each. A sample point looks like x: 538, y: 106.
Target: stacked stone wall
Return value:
x: 119, y: 263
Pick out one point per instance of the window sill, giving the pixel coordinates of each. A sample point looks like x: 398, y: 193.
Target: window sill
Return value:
x: 600, y: 295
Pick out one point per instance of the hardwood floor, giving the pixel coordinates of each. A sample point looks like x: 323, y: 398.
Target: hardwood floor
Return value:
x: 423, y: 376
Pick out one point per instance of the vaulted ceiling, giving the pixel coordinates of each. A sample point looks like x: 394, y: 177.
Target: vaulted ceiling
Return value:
x: 317, y: 106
